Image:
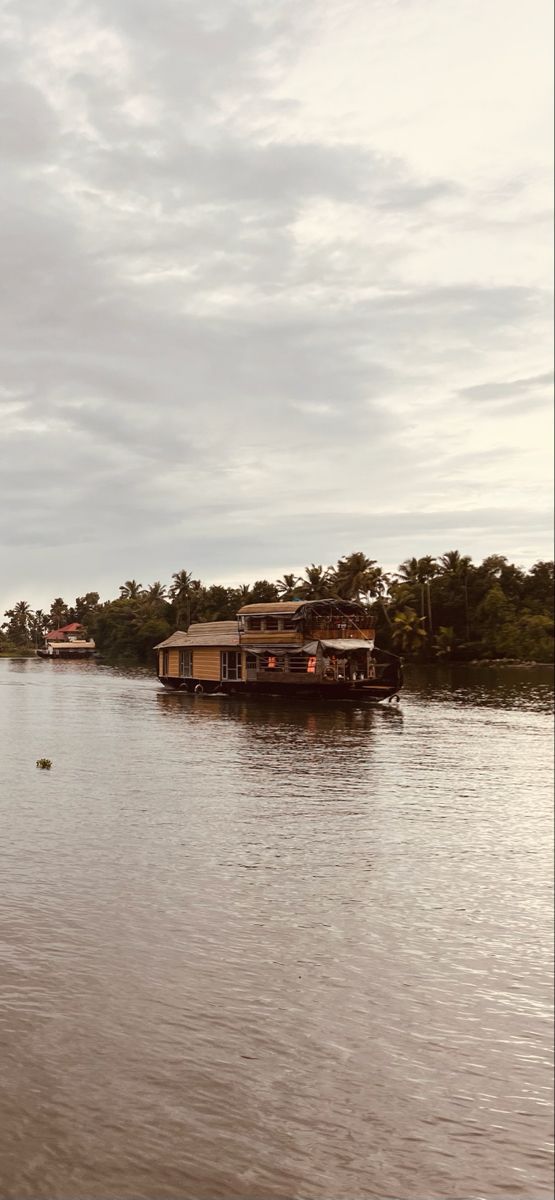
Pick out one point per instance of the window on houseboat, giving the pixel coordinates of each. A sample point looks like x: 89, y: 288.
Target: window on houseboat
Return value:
x: 231, y: 664
x: 186, y: 663
x: 254, y: 623
x: 271, y: 623
x: 165, y: 662
x: 251, y: 662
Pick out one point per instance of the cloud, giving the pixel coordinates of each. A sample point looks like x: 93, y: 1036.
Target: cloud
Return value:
x: 507, y: 392
x: 244, y: 326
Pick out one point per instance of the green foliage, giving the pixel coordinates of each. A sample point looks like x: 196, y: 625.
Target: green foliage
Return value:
x: 130, y: 589
x: 17, y: 628
x: 535, y: 638
x: 538, y: 589
x: 356, y: 577
x: 59, y: 614
x: 287, y: 587
x: 85, y: 606
x: 408, y: 634
x: 262, y: 592
x: 317, y: 583
x: 446, y: 608
x: 445, y: 641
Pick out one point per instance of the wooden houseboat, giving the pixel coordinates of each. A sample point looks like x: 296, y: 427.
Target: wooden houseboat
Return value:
x: 322, y: 648
x: 71, y: 641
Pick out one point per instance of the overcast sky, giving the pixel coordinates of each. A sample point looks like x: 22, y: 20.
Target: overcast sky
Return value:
x: 276, y: 286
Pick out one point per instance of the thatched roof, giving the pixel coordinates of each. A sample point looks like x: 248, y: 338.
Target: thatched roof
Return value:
x: 207, y: 633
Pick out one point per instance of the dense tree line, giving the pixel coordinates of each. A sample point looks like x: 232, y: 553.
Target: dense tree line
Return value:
x: 446, y: 608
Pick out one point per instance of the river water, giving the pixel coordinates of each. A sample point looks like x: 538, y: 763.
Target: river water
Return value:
x: 261, y: 949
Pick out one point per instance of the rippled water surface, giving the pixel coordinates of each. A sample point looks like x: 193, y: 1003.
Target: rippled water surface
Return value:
x: 258, y: 949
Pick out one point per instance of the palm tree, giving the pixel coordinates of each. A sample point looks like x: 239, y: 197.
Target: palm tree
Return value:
x: 288, y: 587
x: 156, y: 591
x: 317, y: 583
x: 180, y: 593
x: 454, y: 563
x: 408, y: 576
x: 130, y: 590
x: 19, y: 623
x: 456, y: 567
x: 378, y: 591
x: 355, y: 575
x: 181, y: 583
x: 22, y: 610
x: 196, y: 600
x: 493, y: 565
x: 408, y: 632
x: 510, y: 577
x: 58, y: 613
x: 427, y: 572
x: 417, y: 574
x: 38, y: 624
x: 243, y: 593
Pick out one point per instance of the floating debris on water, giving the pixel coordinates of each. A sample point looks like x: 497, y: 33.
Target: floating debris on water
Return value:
x: 44, y: 764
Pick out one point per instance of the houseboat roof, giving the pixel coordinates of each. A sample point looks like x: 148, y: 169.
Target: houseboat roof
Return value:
x: 205, y: 633
x: 271, y: 606
x: 74, y: 627
x: 78, y: 644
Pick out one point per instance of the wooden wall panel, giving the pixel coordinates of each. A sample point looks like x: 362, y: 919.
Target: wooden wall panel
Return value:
x: 173, y: 663
x: 206, y: 663
x: 257, y: 637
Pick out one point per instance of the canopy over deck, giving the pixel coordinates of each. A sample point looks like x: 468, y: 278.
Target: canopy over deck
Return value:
x: 301, y: 608
x: 273, y: 648
x: 338, y: 645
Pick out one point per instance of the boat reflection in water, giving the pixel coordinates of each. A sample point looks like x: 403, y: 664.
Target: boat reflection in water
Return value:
x: 324, y: 742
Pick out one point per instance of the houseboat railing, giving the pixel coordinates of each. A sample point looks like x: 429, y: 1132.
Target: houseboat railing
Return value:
x: 375, y: 671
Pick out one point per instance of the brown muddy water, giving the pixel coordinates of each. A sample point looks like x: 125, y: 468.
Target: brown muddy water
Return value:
x: 258, y: 949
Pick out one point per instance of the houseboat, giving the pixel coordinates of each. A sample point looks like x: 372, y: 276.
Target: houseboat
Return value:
x: 71, y: 641
x: 315, y: 648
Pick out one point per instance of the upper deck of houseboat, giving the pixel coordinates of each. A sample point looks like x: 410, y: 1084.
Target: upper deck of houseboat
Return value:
x: 282, y: 646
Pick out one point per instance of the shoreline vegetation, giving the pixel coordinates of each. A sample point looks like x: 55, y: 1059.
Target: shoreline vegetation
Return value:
x: 445, y: 609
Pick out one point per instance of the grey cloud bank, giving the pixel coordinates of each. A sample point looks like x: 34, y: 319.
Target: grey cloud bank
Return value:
x: 240, y: 335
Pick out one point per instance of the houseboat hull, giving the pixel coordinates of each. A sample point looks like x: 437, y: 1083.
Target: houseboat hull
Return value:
x: 359, y: 690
